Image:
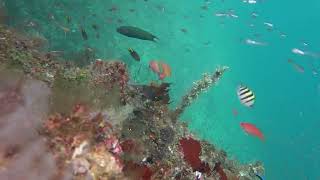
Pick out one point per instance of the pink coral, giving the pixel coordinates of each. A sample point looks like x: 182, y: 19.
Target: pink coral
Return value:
x: 112, y: 143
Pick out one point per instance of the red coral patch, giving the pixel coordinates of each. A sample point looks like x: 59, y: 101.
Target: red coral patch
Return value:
x: 127, y: 145
x: 191, y: 150
x: 217, y: 168
x: 138, y: 172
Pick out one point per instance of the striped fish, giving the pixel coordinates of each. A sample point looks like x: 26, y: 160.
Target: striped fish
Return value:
x: 246, y: 96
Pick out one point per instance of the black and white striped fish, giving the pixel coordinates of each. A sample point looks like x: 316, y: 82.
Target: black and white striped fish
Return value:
x: 246, y: 96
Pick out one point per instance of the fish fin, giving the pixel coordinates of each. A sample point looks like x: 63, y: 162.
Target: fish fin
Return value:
x: 262, y: 138
x: 155, y: 39
x: 240, y: 83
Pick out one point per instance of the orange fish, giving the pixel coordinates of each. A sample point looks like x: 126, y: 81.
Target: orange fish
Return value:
x: 166, y: 71
x: 154, y: 65
x: 252, y: 129
x: 163, y: 70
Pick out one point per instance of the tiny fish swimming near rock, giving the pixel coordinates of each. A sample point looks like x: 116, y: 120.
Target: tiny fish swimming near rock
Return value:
x: 134, y: 54
x: 298, y: 67
x: 246, y: 96
x: 269, y: 25
x: 95, y: 27
x: 258, y: 176
x: 84, y: 34
x: 137, y: 33
x: 297, y: 51
x: 253, y: 42
x: 303, y: 53
x: 155, y: 92
x: 68, y: 18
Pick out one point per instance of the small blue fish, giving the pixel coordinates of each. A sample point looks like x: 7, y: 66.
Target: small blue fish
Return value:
x: 261, y: 178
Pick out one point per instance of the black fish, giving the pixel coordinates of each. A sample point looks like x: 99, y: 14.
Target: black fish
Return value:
x: 257, y: 175
x: 155, y: 92
x: 94, y: 26
x: 134, y: 54
x: 137, y: 33
x: 84, y: 34
x: 68, y: 19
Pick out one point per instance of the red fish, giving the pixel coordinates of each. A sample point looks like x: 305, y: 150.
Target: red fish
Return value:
x: 154, y: 65
x: 252, y: 129
x: 166, y: 71
x: 162, y: 76
x: 161, y: 69
x: 298, y: 67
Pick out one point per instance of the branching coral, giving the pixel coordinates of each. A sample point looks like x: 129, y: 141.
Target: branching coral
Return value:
x: 200, y: 86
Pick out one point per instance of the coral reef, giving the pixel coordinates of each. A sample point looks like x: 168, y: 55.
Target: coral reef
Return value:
x: 199, y: 86
x: 59, y: 121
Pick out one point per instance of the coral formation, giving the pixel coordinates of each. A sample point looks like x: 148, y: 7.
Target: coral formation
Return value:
x: 199, y: 86
x: 90, y: 123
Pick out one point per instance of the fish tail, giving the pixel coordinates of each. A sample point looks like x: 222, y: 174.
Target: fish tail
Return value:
x: 161, y: 76
x: 314, y: 55
x: 155, y: 39
x: 260, y: 177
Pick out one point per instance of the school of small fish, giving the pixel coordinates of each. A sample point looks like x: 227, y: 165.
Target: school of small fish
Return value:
x: 162, y: 70
x: 245, y: 95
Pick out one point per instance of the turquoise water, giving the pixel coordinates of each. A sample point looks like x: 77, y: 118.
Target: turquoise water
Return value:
x: 288, y: 102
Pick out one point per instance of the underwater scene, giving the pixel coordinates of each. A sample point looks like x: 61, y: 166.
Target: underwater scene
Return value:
x: 159, y: 89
